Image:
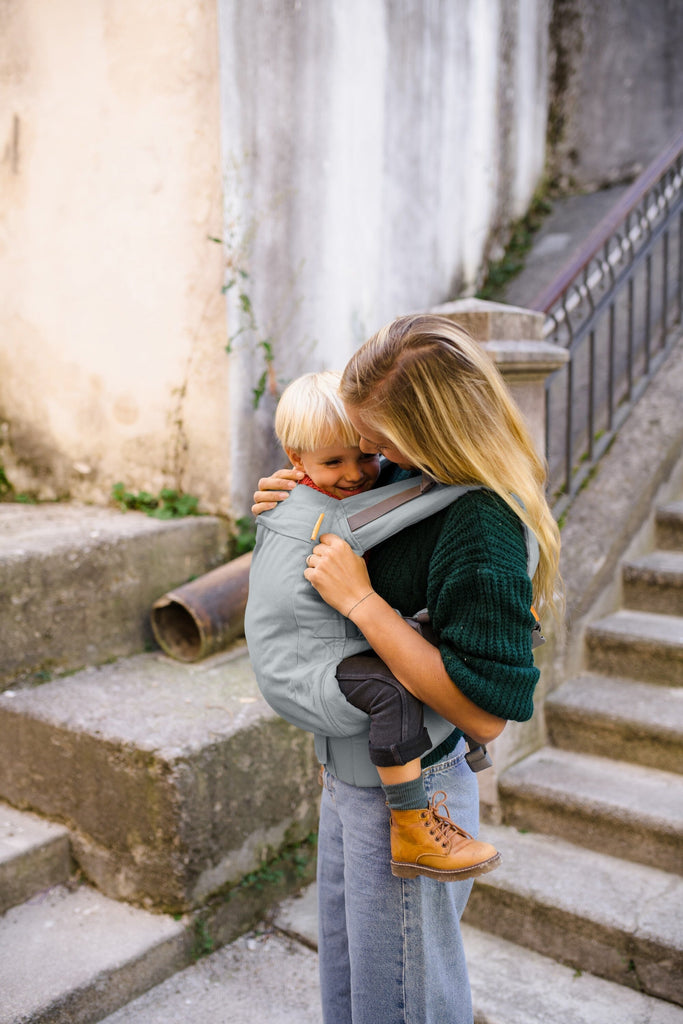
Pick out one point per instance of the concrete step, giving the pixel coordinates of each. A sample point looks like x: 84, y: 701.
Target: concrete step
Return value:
x: 262, y: 976
x: 654, y: 583
x: 638, y: 645
x: 72, y: 956
x: 669, y: 526
x: 618, y: 718
x: 161, y: 771
x: 34, y: 856
x: 513, y: 985
x: 609, y: 806
x: 271, y: 974
x: 597, y: 913
x: 79, y: 581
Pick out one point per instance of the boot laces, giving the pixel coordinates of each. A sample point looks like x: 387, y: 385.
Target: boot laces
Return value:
x: 441, y: 825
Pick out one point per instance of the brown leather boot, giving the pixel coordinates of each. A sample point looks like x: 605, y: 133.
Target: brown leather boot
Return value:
x: 427, y: 842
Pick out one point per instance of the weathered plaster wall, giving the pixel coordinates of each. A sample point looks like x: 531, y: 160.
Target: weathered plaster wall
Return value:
x: 357, y: 157
x: 112, y: 323
x: 371, y: 150
x: 616, y: 87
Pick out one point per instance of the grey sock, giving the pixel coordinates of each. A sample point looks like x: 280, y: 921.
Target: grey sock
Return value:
x: 407, y: 796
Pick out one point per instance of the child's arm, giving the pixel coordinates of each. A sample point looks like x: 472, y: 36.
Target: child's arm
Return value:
x: 272, y: 489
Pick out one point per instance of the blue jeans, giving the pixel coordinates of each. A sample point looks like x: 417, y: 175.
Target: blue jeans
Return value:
x: 390, y: 949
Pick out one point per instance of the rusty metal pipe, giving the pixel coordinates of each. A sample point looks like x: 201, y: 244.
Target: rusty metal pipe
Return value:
x: 205, y: 615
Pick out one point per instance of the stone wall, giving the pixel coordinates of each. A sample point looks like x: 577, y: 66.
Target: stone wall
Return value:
x: 357, y: 159
x: 372, y: 149
x: 616, y: 87
x: 112, y: 323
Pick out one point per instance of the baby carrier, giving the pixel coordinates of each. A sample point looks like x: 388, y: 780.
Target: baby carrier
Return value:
x: 296, y: 640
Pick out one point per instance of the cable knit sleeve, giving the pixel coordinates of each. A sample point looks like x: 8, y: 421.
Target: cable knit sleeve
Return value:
x: 479, y: 597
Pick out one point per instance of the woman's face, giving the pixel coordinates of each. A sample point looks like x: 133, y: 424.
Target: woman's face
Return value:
x: 372, y: 441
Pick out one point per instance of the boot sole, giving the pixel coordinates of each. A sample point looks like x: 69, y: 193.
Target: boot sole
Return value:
x: 413, y: 870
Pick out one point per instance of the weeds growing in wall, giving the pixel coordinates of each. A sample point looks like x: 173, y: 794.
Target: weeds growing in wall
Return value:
x: 8, y: 493
x: 500, y: 272
x: 236, y: 244
x: 167, y: 504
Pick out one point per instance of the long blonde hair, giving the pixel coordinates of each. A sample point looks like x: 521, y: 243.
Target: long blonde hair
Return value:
x: 435, y: 394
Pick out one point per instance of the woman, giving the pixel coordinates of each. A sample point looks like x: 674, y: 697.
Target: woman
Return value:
x: 428, y: 398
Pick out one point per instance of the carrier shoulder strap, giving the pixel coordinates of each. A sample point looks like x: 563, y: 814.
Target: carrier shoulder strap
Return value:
x: 374, y: 516
x: 368, y: 515
x: 365, y: 520
x: 435, y: 497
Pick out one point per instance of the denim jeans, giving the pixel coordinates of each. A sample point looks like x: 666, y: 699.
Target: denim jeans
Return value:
x: 390, y: 949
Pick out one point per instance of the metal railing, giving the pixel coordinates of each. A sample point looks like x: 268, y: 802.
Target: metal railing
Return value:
x: 614, y: 307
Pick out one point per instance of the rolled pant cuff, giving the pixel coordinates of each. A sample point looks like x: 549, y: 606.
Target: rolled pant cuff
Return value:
x: 401, y: 753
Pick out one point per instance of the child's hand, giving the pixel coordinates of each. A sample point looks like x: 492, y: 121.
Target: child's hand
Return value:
x: 272, y: 489
x: 338, y: 574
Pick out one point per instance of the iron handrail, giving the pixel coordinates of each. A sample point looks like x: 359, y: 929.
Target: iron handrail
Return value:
x: 606, y: 228
x: 613, y: 305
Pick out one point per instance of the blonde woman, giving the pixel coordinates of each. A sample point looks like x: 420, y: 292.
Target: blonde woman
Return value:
x: 428, y: 398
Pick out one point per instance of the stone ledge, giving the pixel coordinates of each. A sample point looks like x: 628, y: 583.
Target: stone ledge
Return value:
x: 158, y: 770
x: 628, y: 720
x: 81, y: 581
x: 489, y: 321
x: 75, y: 956
x: 624, y: 810
x: 618, y: 920
x: 524, y: 360
x: 642, y: 645
x: 34, y: 855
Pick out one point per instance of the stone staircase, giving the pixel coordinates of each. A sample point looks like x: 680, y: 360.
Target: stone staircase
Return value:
x: 592, y: 839
x: 134, y: 808
x: 582, y: 922
x: 136, y: 828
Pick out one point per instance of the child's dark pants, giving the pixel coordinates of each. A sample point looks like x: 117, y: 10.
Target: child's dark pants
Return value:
x: 397, y: 732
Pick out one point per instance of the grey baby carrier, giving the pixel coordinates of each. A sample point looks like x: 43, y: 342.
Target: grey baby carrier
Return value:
x: 296, y: 640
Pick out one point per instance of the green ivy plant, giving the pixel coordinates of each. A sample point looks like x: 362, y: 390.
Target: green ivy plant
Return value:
x: 245, y: 535
x: 500, y: 272
x: 8, y: 493
x: 262, y: 345
x: 237, y: 277
x: 6, y: 489
x: 168, y: 504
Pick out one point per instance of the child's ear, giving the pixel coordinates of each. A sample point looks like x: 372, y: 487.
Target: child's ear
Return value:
x: 295, y: 459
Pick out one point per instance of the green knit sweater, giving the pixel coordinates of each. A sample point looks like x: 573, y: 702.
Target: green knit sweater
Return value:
x: 467, y: 565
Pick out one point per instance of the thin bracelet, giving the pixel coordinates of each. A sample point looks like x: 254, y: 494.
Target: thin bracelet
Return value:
x: 359, y: 602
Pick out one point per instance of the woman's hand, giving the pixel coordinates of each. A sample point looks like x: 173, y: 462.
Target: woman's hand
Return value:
x: 341, y: 578
x: 272, y: 489
x: 338, y: 574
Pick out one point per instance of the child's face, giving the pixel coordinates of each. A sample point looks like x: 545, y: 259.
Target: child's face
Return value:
x: 340, y: 471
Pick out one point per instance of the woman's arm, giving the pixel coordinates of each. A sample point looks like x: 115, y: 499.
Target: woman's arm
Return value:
x: 341, y: 579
